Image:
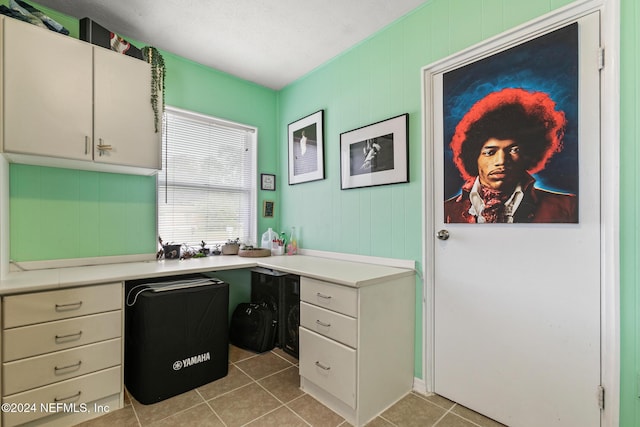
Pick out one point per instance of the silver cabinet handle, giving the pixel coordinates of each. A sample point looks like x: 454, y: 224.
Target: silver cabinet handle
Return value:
x: 64, y: 337
x: 323, y: 296
x: 62, y: 368
x: 326, y: 325
x: 73, y: 396
x: 70, y: 306
x: 321, y: 366
x: 86, y: 145
x: 103, y: 147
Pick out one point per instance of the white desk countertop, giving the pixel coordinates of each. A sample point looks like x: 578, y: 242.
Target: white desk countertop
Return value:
x: 348, y: 273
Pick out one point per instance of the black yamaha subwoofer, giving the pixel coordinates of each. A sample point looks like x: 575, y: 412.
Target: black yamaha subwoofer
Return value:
x: 176, y: 335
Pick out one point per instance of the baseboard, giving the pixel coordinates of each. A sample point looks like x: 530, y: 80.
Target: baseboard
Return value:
x: 419, y: 386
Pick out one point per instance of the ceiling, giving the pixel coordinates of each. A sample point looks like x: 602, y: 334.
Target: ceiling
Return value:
x: 269, y: 42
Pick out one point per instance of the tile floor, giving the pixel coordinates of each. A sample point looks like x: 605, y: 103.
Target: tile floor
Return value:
x: 263, y: 390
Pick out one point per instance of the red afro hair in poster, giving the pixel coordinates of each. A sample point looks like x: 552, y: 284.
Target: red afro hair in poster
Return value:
x: 529, y: 118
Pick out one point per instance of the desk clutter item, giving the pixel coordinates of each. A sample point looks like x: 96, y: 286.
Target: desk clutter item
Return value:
x: 176, y: 335
x: 253, y: 327
x: 24, y: 11
x: 94, y: 33
x: 171, y: 251
x: 231, y: 247
x: 254, y: 252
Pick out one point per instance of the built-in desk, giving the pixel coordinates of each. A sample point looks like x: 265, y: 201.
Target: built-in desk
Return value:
x: 356, y: 333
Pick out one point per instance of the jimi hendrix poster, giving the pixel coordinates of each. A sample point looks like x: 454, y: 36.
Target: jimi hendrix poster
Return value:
x: 511, y: 134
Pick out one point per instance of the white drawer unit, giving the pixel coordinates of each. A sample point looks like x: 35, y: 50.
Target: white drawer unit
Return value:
x: 62, y: 347
x: 333, y: 325
x: 62, y: 398
x: 27, y: 309
x: 32, y: 372
x: 356, y: 345
x: 342, y: 299
x: 59, y: 335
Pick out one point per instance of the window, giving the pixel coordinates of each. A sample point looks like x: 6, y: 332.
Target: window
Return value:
x: 207, y: 187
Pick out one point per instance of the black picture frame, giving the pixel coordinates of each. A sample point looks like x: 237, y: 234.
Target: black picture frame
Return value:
x: 268, y: 207
x: 267, y: 182
x: 376, y: 154
x: 306, y: 148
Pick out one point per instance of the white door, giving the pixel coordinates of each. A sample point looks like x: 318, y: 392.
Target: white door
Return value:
x: 517, y: 306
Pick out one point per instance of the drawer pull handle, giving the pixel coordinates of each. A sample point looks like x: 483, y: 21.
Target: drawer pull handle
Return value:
x: 73, y: 396
x: 326, y: 325
x: 70, y: 306
x: 321, y: 366
x: 323, y: 296
x: 65, y: 337
x: 62, y: 368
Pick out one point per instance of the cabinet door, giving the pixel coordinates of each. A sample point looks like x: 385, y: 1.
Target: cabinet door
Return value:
x: 123, y: 116
x: 47, y: 92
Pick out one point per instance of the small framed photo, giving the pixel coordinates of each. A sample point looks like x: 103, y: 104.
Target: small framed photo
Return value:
x: 377, y: 154
x: 267, y: 209
x: 267, y: 181
x: 306, y: 148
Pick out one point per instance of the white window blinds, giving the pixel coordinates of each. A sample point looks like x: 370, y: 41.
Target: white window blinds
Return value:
x: 207, y: 186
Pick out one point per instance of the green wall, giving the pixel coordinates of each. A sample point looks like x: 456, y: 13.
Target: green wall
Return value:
x: 629, y: 214
x: 380, y: 78
x: 61, y: 213
x: 83, y: 214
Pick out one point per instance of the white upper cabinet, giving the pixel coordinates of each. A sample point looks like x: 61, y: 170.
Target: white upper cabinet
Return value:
x: 67, y: 103
x: 47, y: 93
x: 123, y: 122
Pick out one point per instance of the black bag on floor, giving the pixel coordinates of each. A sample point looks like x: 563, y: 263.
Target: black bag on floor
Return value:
x: 253, y: 327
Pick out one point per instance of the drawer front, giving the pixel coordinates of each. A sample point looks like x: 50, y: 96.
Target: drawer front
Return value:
x: 329, y: 365
x: 72, y: 393
x: 27, y: 341
x: 342, y: 299
x: 329, y: 323
x: 37, y: 307
x: 25, y: 374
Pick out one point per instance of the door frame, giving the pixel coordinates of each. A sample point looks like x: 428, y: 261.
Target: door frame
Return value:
x: 609, y: 198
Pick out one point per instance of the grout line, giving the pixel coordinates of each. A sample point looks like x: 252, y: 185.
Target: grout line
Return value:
x: 274, y: 373
x: 282, y: 404
x: 387, y: 420
x: 443, y: 415
x: 231, y: 391
x: 206, y: 402
x: 282, y: 357
x: 456, y: 415
x: 135, y: 413
x: 262, y: 416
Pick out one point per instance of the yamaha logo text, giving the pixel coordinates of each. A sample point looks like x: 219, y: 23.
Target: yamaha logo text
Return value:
x: 190, y: 361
